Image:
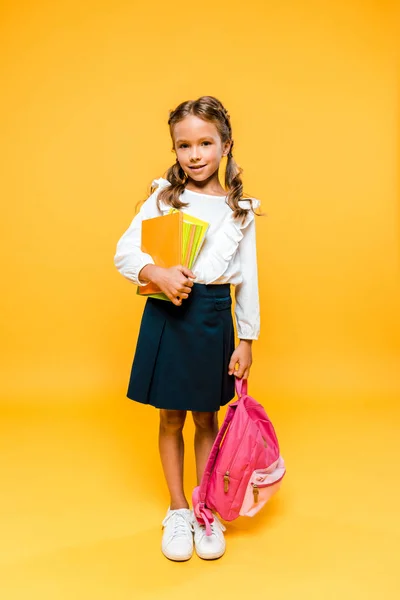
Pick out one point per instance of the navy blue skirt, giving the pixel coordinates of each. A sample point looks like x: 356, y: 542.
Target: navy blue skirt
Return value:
x: 183, y: 352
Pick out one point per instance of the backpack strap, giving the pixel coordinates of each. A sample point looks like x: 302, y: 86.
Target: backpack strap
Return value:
x: 202, y: 513
x: 241, y: 387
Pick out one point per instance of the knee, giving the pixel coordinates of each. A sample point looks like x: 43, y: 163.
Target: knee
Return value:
x: 172, y: 421
x: 205, y: 421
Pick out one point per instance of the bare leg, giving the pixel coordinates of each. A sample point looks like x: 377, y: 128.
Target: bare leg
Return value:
x: 206, y: 431
x: 171, y: 448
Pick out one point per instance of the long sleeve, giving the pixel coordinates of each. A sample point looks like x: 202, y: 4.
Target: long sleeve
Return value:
x: 129, y: 259
x: 247, y: 310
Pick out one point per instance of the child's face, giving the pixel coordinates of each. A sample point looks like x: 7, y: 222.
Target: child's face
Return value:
x: 198, y: 143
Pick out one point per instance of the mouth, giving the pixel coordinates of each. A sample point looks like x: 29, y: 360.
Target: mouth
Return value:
x: 197, y: 168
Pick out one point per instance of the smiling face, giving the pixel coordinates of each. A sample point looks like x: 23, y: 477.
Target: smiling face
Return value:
x: 198, y: 148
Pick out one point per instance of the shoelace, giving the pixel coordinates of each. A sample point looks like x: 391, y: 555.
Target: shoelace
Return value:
x: 180, y: 523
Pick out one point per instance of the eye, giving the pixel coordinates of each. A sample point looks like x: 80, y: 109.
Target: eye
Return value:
x: 183, y: 145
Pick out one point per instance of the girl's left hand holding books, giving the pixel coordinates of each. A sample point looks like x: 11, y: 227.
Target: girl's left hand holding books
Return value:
x: 243, y: 357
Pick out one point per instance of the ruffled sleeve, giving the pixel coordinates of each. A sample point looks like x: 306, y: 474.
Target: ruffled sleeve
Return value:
x: 129, y: 258
x: 161, y: 183
x: 225, y: 244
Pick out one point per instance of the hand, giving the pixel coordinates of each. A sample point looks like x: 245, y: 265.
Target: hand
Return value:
x: 176, y: 282
x: 243, y: 356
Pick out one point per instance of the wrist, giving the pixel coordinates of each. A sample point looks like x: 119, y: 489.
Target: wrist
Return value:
x: 249, y: 342
x: 149, y: 273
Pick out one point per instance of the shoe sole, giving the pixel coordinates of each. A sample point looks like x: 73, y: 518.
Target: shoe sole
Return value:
x: 210, y: 556
x: 177, y: 558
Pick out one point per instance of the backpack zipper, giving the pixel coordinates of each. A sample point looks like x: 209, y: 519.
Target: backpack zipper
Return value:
x: 256, y: 491
x: 257, y: 487
x: 226, y: 482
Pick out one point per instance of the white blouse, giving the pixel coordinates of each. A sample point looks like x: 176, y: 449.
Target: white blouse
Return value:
x: 228, y: 254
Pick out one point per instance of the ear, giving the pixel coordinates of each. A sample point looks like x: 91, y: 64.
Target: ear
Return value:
x: 226, y: 147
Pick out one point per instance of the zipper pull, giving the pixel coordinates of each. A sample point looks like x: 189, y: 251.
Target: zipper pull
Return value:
x: 256, y: 491
x: 226, y: 482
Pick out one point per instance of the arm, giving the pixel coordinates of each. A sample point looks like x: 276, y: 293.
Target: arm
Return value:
x: 139, y: 267
x: 247, y: 310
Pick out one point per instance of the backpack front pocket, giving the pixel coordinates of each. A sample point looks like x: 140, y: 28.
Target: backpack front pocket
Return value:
x: 262, y: 485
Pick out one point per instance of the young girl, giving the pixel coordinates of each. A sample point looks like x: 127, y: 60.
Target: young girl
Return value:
x: 185, y: 358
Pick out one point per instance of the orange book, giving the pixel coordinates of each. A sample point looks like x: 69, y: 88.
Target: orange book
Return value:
x: 162, y: 239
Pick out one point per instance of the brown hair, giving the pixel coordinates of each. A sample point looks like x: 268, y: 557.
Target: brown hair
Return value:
x: 209, y: 109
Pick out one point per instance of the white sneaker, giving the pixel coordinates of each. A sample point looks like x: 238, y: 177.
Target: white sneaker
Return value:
x: 177, y: 540
x: 209, y: 546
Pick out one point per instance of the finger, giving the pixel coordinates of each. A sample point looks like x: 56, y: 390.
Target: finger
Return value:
x: 231, y: 366
x: 240, y: 372
x: 187, y: 281
x: 246, y: 373
x: 176, y: 300
x: 187, y: 272
x: 185, y: 290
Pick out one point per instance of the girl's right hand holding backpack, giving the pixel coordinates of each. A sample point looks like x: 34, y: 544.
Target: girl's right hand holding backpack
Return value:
x: 176, y: 282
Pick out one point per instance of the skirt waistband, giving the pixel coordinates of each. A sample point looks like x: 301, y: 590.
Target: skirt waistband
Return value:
x: 220, y: 290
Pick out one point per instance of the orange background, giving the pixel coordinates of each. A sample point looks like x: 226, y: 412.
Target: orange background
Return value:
x: 312, y: 90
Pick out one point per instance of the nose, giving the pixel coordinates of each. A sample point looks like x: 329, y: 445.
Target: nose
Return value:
x: 194, y: 155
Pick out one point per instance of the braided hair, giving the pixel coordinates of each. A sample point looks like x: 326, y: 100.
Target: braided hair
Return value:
x: 209, y: 109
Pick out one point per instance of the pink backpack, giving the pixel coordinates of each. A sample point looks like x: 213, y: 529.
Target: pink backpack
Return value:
x: 244, y: 468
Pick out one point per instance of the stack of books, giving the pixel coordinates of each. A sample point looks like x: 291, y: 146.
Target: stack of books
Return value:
x: 172, y: 239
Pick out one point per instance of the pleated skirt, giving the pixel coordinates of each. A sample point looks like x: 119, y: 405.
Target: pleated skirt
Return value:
x: 183, y: 352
